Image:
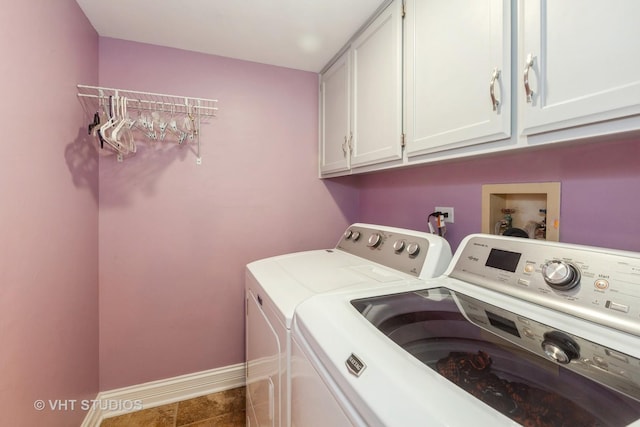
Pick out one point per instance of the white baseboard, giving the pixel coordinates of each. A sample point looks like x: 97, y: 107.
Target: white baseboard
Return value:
x: 148, y: 395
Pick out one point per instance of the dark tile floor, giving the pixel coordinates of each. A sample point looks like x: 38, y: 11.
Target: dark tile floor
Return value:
x: 223, y: 409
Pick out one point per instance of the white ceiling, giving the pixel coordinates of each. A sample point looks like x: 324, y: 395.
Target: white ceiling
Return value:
x: 300, y: 34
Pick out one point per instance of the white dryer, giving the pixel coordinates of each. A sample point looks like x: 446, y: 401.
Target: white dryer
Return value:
x: 366, y: 256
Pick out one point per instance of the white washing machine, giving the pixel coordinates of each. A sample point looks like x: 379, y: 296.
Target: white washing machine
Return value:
x: 516, y: 331
x: 366, y: 256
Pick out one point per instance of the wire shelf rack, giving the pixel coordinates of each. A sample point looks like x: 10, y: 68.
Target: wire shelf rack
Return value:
x: 111, y: 105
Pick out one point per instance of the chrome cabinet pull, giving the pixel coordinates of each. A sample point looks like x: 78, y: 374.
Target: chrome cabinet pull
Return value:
x: 492, y: 85
x: 527, y: 90
x: 344, y: 147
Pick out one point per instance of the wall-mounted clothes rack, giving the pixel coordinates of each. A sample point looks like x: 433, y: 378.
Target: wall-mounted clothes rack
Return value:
x: 121, y: 116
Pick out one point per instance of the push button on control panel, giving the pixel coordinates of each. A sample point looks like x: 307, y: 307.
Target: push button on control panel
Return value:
x: 617, y: 306
x: 621, y: 357
x: 528, y: 332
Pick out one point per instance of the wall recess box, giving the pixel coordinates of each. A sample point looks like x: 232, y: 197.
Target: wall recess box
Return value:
x: 525, y: 200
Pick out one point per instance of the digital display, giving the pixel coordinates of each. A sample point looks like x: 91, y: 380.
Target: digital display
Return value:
x: 504, y: 260
x: 503, y: 324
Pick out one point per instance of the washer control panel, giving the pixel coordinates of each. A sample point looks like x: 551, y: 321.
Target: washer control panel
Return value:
x: 411, y: 252
x: 596, y: 284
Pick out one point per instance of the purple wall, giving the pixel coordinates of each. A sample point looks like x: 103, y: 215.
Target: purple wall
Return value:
x: 175, y: 236
x: 48, y: 214
x: 599, y: 191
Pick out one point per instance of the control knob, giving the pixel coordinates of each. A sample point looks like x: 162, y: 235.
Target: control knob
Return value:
x: 560, y: 275
x: 560, y: 347
x: 355, y: 235
x: 347, y: 234
x: 398, y: 246
x: 374, y: 240
x: 413, y: 249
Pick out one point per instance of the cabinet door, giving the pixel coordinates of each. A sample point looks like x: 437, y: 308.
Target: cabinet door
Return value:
x: 334, y: 116
x: 585, y: 62
x: 452, y: 50
x: 377, y: 90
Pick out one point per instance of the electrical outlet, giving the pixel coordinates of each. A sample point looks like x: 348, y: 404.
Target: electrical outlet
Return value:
x: 448, y: 211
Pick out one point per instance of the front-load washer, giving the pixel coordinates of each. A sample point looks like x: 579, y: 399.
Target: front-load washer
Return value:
x: 516, y: 332
x: 366, y: 256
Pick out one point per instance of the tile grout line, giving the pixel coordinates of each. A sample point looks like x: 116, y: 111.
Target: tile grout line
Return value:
x: 175, y: 415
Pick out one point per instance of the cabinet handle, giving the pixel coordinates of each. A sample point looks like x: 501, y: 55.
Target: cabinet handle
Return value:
x: 492, y: 86
x: 346, y: 145
x: 527, y: 90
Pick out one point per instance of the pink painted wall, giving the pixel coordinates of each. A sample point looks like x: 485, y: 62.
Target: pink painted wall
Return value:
x: 175, y: 236
x: 48, y: 214
x: 599, y: 195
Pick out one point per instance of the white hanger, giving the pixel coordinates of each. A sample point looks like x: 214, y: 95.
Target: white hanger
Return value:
x: 122, y: 133
x: 107, y: 130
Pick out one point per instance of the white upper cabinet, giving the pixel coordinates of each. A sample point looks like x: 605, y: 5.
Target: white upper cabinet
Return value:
x: 376, y: 119
x: 457, y: 73
x: 335, y: 126
x: 461, y: 78
x: 580, y: 60
x: 361, y: 99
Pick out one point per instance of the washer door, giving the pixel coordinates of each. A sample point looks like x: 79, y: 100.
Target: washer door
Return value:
x: 477, y: 347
